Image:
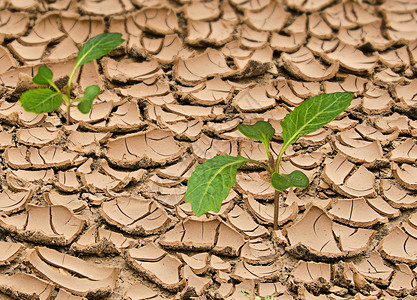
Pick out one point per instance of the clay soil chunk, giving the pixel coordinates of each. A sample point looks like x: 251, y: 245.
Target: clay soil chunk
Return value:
x: 80, y: 29
x: 258, y: 251
x: 7, y: 61
x: 138, y: 291
x: 128, y: 71
x: 135, y: 215
x: 69, y: 201
x: 46, y: 157
x: 152, y: 148
x: 406, y: 93
x: 25, y: 286
x: 13, y: 24
x: 24, y: 180
x: 195, y: 285
x: 102, y: 241
x: 12, y: 202
x: 270, y: 18
x: 396, y: 196
x: 45, y: 31
x: 52, y: 225
x: 243, y: 222
x: 67, y: 181
x: 264, y: 212
x: 157, y: 20
x: 65, y: 50
x: 303, y: 64
x: 359, y: 184
x: 353, y: 240
x: 253, y: 184
x: 398, y: 246
x: 9, y: 251
x: 124, y: 176
x: 406, y: 174
x: 86, y: 142
x: 309, y: 272
x: 106, y: 7
x: 252, y: 39
x: 198, y: 68
x: 356, y: 213
x: 201, y: 235
x: 318, y: 28
x: 64, y: 295
x: 206, y: 148
x: 157, y: 265
x: 215, y: 91
x: 245, y: 271
x: 38, y: 136
x: 126, y: 118
x: 352, y: 59
x: 313, y: 234
x: 403, y: 281
x: 406, y: 152
x: 383, y: 208
x: 374, y: 269
x: 308, y: 6
x: 99, y: 111
x: 198, y: 262
x: 254, y: 99
x: 28, y: 54
x: 172, y: 47
x: 91, y: 280
x: 202, y: 11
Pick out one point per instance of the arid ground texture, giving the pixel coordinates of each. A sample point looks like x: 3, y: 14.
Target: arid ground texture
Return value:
x: 95, y: 209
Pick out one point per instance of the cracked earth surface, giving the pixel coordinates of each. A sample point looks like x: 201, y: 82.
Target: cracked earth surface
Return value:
x: 95, y: 210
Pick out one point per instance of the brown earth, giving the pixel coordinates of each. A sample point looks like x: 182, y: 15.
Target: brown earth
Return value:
x: 95, y: 209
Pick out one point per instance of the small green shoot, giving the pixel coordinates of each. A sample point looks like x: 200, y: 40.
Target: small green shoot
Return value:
x: 210, y: 183
x: 46, y: 100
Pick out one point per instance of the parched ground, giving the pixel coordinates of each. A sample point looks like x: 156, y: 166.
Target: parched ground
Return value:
x: 95, y: 209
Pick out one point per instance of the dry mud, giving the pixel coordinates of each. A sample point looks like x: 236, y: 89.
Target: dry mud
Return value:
x: 95, y: 209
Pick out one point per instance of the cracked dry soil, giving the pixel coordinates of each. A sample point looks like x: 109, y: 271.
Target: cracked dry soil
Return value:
x: 94, y: 210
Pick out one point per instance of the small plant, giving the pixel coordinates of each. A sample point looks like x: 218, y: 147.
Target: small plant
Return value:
x: 210, y: 183
x: 45, y: 100
x: 249, y: 295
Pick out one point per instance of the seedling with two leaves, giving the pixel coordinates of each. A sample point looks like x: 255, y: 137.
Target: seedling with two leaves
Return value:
x: 44, y: 100
x: 210, y: 183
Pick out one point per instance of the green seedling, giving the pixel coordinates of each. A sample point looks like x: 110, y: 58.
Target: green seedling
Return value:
x: 249, y: 296
x: 210, y: 183
x: 46, y: 100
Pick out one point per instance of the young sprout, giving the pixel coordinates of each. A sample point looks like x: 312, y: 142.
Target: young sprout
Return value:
x: 46, y: 100
x: 210, y: 183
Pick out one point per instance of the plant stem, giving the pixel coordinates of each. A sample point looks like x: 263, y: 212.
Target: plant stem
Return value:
x: 68, y: 114
x: 276, y: 209
x: 270, y: 170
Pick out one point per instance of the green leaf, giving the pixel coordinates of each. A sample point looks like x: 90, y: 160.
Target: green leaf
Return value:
x: 261, y: 131
x: 41, y: 100
x: 313, y: 114
x: 296, y: 178
x: 86, y: 101
x: 98, y: 46
x: 210, y: 183
x: 44, y: 76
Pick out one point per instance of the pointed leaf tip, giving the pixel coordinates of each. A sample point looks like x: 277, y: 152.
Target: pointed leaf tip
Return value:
x: 210, y: 183
x: 98, y: 46
x: 312, y: 115
x: 41, y: 100
x: 44, y: 76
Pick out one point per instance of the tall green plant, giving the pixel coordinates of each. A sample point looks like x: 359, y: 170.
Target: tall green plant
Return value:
x: 210, y: 183
x: 46, y: 100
